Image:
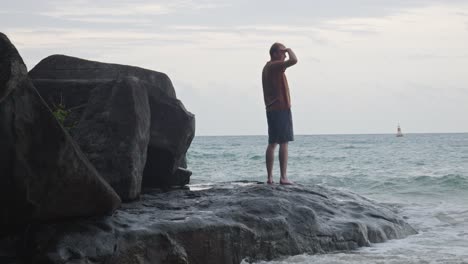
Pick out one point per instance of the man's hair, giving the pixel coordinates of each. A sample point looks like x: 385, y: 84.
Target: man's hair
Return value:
x: 274, y: 48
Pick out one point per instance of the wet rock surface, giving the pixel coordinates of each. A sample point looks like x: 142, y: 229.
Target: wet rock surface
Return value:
x: 222, y: 223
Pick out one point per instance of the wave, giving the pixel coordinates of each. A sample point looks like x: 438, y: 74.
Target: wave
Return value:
x: 423, y: 184
x: 257, y: 157
x: 349, y: 147
x: 449, y: 180
x: 194, y: 155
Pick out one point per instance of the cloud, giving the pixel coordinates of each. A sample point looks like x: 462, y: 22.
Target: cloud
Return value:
x: 459, y: 13
x: 196, y: 28
x: 89, y: 11
x: 435, y: 56
x: 57, y: 37
x: 253, y: 29
x: 112, y: 20
x: 355, y: 26
x: 312, y: 59
x: 71, y: 10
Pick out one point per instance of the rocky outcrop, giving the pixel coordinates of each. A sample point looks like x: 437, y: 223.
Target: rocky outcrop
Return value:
x: 225, y: 223
x: 43, y: 173
x: 109, y: 106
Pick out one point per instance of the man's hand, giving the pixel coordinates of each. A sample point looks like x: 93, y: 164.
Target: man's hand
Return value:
x: 292, y: 57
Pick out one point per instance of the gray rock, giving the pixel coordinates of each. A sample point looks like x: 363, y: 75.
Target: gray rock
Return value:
x: 114, y: 132
x: 71, y: 81
x: 43, y: 173
x: 225, y: 223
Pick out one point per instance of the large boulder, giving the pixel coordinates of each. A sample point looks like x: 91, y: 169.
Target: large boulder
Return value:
x: 225, y: 223
x: 72, y: 82
x: 43, y: 173
x: 114, y: 133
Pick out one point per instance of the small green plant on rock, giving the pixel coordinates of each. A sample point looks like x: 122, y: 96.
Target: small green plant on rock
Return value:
x: 61, y: 113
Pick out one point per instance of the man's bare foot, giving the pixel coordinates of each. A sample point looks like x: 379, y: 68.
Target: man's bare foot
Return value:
x: 286, y: 182
x: 270, y: 181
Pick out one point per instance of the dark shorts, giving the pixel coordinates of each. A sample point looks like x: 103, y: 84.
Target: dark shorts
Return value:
x: 280, y: 126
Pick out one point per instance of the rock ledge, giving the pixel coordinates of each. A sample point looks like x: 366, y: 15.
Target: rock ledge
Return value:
x: 221, y: 223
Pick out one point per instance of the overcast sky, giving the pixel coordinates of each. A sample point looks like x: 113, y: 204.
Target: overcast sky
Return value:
x: 364, y: 65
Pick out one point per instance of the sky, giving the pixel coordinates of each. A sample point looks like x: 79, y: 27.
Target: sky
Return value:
x: 364, y: 67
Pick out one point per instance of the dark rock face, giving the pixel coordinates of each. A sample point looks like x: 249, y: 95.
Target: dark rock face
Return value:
x: 224, y: 224
x: 172, y: 131
x: 114, y: 133
x: 81, y: 86
x: 43, y: 173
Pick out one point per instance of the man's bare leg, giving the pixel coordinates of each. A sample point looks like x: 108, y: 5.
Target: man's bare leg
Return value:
x: 270, y: 158
x: 283, y: 158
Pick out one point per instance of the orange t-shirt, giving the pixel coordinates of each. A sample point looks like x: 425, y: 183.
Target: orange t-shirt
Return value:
x: 275, y: 88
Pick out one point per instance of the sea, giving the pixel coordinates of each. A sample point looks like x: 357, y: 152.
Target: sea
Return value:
x: 422, y: 176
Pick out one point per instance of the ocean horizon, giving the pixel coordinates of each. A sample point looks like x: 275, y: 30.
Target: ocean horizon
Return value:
x: 421, y: 176
x: 332, y: 134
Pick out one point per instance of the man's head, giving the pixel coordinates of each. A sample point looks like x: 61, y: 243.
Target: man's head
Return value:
x: 278, y: 51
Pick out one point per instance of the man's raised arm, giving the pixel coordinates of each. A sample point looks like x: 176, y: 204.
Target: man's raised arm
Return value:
x: 292, y: 59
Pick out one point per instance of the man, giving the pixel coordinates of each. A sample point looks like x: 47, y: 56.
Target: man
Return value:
x: 278, y: 108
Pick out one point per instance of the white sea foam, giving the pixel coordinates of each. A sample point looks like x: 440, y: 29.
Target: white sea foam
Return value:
x: 442, y: 238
